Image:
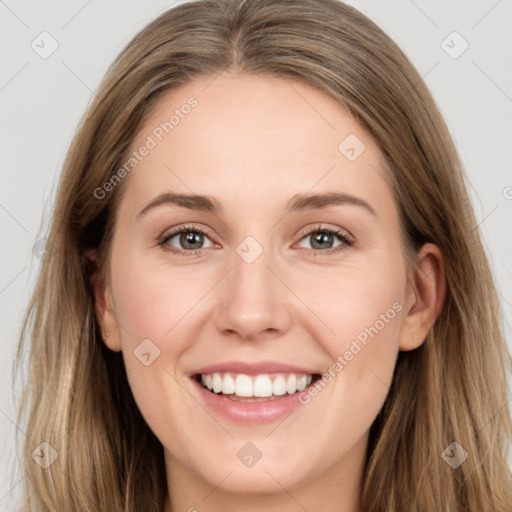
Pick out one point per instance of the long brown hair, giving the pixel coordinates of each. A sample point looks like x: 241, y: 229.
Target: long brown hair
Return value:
x: 451, y: 389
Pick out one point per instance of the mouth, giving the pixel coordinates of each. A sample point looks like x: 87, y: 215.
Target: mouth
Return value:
x: 267, y: 387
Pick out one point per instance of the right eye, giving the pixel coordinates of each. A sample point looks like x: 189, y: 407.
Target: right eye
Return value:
x: 188, y: 237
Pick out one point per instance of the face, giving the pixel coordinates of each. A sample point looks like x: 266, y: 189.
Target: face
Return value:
x: 269, y: 286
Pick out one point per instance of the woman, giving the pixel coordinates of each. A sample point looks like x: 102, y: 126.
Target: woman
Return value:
x: 195, y: 346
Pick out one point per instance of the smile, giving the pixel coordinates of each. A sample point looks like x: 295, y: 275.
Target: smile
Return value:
x: 252, y: 398
x: 242, y: 386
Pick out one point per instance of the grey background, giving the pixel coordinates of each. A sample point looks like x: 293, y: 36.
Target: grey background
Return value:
x: 42, y: 100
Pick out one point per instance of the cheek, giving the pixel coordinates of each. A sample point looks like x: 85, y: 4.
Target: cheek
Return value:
x: 358, y: 304
x: 150, y: 301
x: 153, y: 308
x: 363, y: 308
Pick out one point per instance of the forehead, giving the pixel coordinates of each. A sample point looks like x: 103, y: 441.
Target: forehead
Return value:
x: 252, y: 139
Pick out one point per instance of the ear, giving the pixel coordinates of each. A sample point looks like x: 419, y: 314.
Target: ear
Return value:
x: 103, y: 304
x: 425, y: 297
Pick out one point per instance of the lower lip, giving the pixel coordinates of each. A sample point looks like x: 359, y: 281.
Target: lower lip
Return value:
x: 250, y: 412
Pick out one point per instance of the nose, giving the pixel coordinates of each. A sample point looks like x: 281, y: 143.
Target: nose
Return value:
x: 254, y: 303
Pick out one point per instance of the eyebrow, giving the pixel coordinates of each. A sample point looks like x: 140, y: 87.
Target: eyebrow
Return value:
x: 298, y: 202
x: 314, y: 201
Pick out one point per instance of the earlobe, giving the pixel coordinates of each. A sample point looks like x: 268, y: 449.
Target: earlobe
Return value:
x: 110, y: 331
x: 103, y: 305
x: 425, y: 297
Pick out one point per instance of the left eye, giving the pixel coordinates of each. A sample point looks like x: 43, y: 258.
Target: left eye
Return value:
x: 320, y: 237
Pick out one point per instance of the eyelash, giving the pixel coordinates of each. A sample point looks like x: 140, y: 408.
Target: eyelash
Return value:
x: 346, y: 240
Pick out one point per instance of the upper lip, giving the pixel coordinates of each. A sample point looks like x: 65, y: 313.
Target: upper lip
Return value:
x: 252, y: 368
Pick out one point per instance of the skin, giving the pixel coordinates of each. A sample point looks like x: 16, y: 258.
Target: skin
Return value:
x: 253, y: 143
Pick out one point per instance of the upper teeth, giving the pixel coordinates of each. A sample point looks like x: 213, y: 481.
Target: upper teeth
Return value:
x: 255, y: 385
